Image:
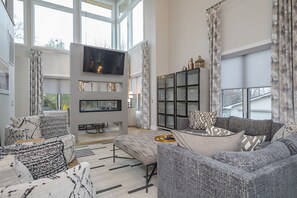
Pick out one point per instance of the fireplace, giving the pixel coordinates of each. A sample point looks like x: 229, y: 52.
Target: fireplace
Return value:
x: 99, y: 105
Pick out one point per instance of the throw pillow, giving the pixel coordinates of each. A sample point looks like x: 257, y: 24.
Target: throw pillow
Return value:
x: 53, y: 126
x: 291, y: 142
x: 200, y: 119
x: 252, y: 161
x: 31, y: 123
x: 14, y: 134
x: 13, y: 172
x: 42, y: 160
x: 249, y: 143
x: 208, y: 145
x: 284, y: 131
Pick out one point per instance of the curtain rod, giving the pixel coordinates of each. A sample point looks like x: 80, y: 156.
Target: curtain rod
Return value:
x: 216, y: 4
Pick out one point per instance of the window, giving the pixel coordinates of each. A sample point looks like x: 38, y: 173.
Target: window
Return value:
x: 66, y: 3
x: 246, y: 85
x: 130, y: 23
x: 56, y: 97
x: 55, y: 31
x: 56, y: 102
x: 19, y: 21
x: 97, y: 23
x: 137, y: 22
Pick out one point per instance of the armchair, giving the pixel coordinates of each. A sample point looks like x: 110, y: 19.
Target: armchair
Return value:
x: 47, y: 165
x: 51, y: 128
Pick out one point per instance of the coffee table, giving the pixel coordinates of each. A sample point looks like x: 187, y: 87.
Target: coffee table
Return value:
x: 141, y: 146
x: 32, y: 141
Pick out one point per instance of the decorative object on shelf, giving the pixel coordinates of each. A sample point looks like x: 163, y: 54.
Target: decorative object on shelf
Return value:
x: 200, y: 62
x: 112, y: 87
x: 190, y: 64
x: 184, y: 68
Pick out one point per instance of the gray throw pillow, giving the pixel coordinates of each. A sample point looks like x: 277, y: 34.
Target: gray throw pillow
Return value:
x: 53, y: 126
x: 208, y: 145
x: 291, y: 142
x: 254, y: 160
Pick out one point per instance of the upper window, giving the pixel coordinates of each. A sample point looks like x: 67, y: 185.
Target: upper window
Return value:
x: 130, y: 23
x: 96, y: 23
x: 55, y: 31
x: 137, y: 23
x: 66, y: 3
x: 19, y: 21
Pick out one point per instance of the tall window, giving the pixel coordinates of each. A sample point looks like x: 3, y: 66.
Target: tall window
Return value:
x: 97, y: 23
x: 246, y: 85
x: 53, y: 24
x: 19, y: 21
x: 130, y: 23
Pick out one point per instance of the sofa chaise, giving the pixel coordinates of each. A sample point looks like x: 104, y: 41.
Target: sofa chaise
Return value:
x: 268, y: 172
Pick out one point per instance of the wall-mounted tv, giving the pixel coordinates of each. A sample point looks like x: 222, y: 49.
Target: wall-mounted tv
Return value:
x: 103, y: 61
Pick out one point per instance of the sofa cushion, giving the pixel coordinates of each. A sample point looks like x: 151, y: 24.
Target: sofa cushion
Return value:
x: 222, y: 122
x: 249, y: 143
x: 41, y: 159
x: 250, y: 126
x: 291, y: 142
x: 53, y: 126
x: 208, y: 145
x: 13, y: 172
x: 254, y: 160
x: 284, y: 131
x: 200, y: 119
x: 31, y: 123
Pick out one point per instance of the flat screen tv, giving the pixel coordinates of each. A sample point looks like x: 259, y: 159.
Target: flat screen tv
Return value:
x: 103, y: 61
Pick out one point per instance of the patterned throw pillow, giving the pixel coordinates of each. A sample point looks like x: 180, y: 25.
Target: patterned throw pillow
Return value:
x: 53, y: 126
x: 41, y: 160
x: 284, y: 131
x: 249, y: 143
x: 208, y: 145
x: 31, y: 123
x: 14, y: 134
x: 200, y: 120
x: 13, y: 172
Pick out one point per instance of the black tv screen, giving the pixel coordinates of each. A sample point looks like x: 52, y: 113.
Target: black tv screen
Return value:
x: 103, y: 61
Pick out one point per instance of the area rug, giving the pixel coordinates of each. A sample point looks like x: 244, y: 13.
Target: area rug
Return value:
x: 83, y: 152
x: 124, y: 178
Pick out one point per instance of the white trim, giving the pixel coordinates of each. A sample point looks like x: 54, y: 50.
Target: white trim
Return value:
x: 46, y: 76
x: 136, y: 75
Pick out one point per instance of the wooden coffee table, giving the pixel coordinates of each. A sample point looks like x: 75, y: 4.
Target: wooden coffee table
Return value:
x: 32, y: 141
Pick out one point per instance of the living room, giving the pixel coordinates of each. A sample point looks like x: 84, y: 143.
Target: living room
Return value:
x: 158, y: 35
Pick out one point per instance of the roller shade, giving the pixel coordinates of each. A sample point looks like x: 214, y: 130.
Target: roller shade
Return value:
x: 247, y: 71
x: 56, y: 86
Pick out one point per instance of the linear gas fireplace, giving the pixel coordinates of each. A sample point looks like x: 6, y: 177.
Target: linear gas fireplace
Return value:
x: 99, y: 105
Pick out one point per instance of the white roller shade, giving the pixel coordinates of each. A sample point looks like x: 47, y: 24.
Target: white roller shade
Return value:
x: 247, y: 71
x: 56, y: 86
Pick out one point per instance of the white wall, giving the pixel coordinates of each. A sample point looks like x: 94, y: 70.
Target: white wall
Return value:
x: 243, y: 23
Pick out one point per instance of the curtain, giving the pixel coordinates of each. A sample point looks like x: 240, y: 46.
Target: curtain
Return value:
x: 145, y: 90
x: 36, y: 83
x: 284, y: 61
x: 214, y: 36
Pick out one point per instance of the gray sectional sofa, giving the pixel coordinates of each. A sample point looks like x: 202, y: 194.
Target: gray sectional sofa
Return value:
x: 267, y: 172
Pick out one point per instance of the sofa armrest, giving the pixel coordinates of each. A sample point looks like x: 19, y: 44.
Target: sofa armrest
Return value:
x: 182, y: 173
x: 74, y: 182
x: 182, y: 123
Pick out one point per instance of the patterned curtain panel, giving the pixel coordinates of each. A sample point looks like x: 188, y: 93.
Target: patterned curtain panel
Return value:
x: 36, y: 83
x: 145, y: 92
x: 284, y: 61
x: 214, y: 36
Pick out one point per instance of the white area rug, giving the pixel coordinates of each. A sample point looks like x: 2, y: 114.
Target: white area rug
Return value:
x: 120, y: 179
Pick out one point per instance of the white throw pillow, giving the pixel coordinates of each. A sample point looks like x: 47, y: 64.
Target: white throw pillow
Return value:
x: 249, y: 143
x: 208, y: 145
x: 13, y: 172
x: 32, y: 123
x: 284, y: 131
